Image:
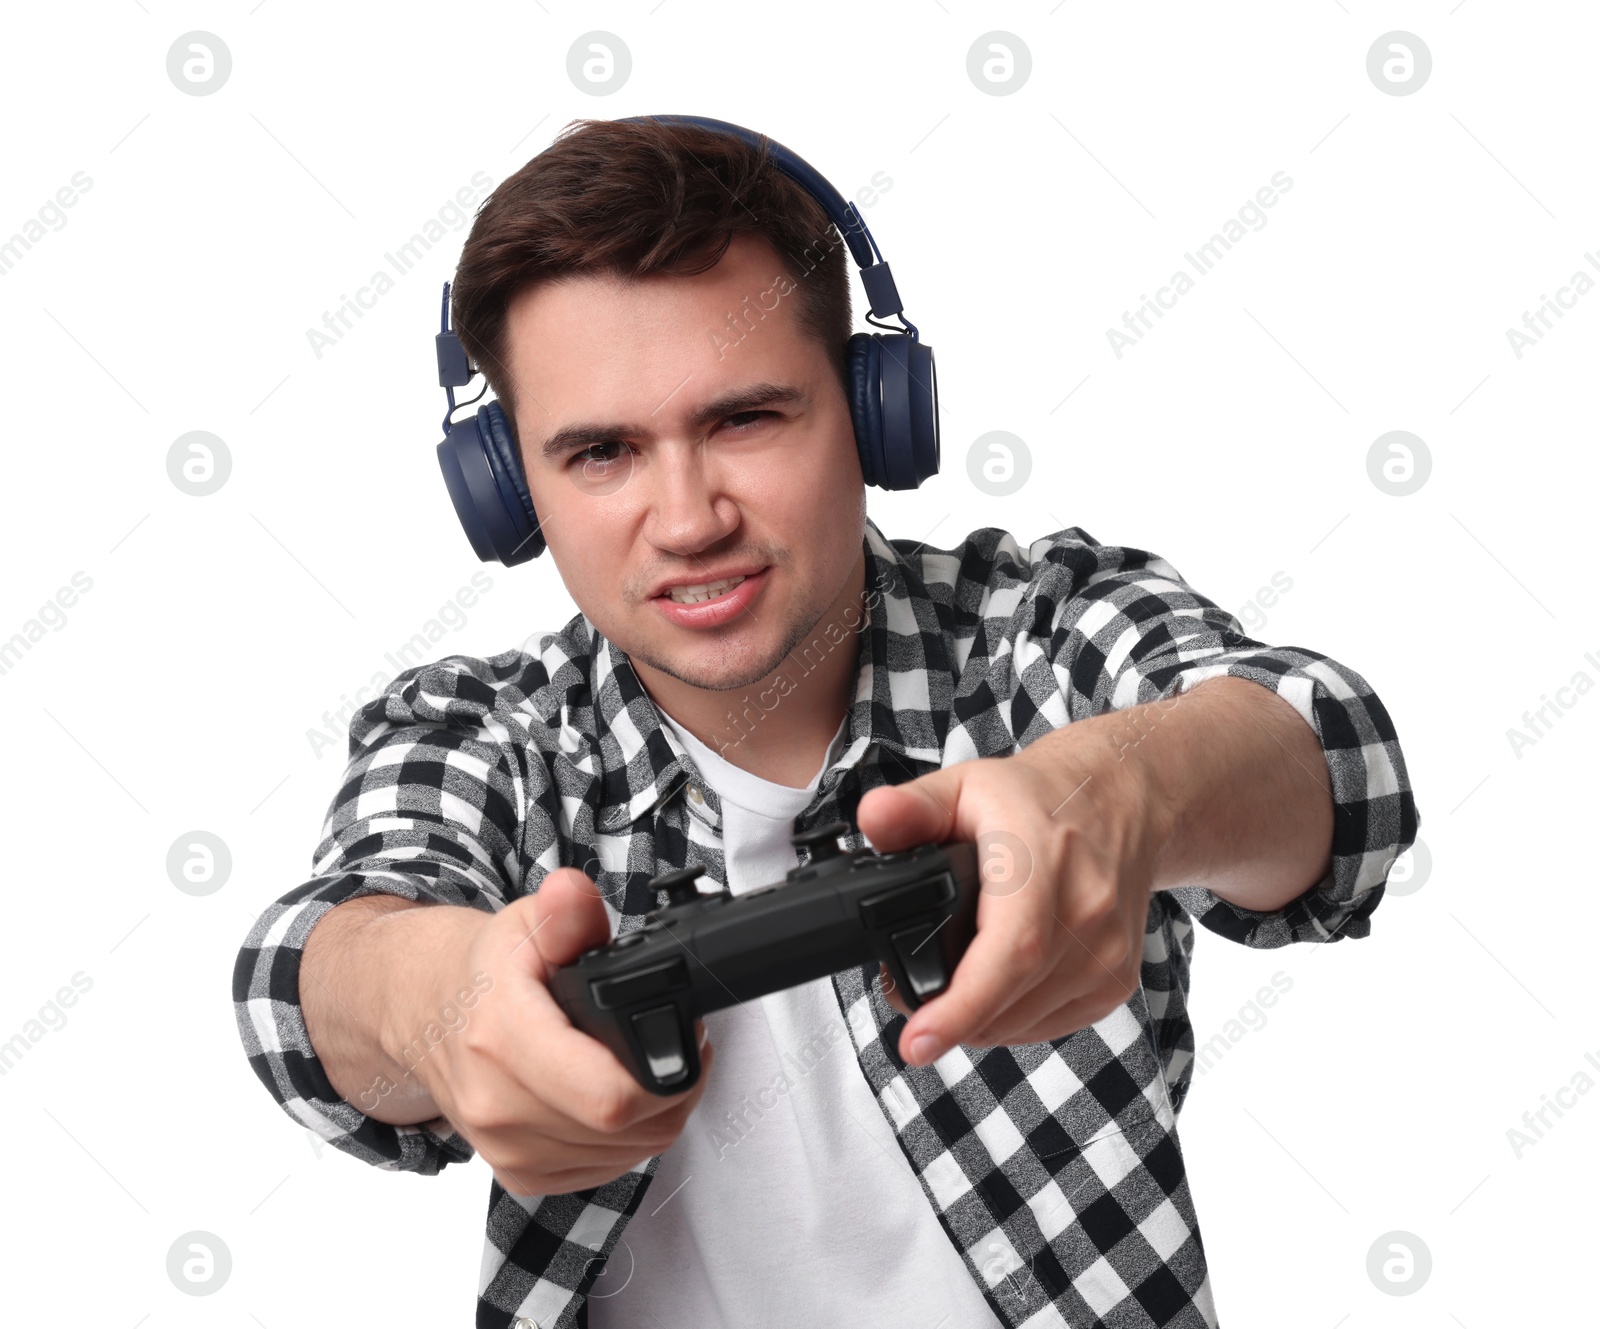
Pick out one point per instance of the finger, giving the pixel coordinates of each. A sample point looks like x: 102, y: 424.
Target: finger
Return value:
x: 1053, y: 990
x: 577, y: 1075
x: 564, y: 917
x: 921, y: 811
x: 565, y: 1123
x: 658, y: 1118
x: 891, y: 992
x: 533, y: 1171
x: 528, y: 1185
x: 989, y: 978
x: 1069, y: 1018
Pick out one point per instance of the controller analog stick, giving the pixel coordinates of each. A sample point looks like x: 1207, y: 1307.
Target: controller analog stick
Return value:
x: 821, y: 842
x: 680, y: 884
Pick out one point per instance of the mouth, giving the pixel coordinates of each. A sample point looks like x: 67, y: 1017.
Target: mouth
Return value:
x: 700, y: 592
x: 715, y: 602
x: 712, y: 587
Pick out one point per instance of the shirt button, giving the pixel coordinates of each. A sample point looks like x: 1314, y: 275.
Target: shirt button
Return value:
x: 525, y: 1323
x: 695, y: 796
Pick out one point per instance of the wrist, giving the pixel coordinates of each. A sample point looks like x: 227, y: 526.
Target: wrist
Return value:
x: 1107, y: 768
x: 426, y: 955
x: 1155, y: 770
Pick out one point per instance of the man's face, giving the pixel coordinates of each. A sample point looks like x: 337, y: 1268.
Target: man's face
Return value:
x: 696, y: 477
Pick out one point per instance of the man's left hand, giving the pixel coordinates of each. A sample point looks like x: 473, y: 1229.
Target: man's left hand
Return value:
x: 1223, y: 786
x: 1067, y: 835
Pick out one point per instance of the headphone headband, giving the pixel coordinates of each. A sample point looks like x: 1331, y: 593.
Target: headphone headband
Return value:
x: 875, y: 274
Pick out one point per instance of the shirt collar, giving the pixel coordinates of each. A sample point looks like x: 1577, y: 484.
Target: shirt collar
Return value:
x: 901, y: 708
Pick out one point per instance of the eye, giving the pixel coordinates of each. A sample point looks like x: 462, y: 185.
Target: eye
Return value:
x: 752, y: 416
x: 596, y: 454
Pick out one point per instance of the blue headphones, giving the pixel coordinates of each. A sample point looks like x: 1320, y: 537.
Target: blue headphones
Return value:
x: 893, y: 396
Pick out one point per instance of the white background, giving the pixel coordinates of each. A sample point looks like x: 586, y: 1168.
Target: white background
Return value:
x: 1232, y: 440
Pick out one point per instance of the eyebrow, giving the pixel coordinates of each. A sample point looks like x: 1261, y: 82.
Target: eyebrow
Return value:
x: 734, y: 402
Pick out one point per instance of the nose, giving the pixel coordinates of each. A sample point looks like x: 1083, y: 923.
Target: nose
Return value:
x: 689, y: 510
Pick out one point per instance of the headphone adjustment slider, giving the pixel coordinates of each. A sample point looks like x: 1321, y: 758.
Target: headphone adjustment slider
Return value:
x: 881, y: 292
x: 454, y: 369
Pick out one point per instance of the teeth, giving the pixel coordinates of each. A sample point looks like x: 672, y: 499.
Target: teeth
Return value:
x: 693, y: 595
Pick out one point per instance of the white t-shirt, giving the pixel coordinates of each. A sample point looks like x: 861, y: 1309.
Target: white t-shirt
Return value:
x: 786, y: 1200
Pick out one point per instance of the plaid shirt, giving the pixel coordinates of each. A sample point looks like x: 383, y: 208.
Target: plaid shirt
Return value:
x: 1054, y: 1167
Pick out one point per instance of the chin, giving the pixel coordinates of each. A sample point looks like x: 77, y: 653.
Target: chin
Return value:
x: 713, y: 668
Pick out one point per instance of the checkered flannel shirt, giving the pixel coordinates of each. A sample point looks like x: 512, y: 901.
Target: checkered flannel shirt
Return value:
x: 1053, y: 1167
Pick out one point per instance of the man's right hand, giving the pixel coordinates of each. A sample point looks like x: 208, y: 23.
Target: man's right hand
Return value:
x: 549, y: 1108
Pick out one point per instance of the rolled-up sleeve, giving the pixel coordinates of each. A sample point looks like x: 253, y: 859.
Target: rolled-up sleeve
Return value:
x: 429, y: 809
x: 1131, y: 630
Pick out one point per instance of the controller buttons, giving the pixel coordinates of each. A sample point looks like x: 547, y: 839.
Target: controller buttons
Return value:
x: 661, y: 1039
x: 899, y: 902
x: 626, y: 940
x: 659, y: 980
x: 920, y: 957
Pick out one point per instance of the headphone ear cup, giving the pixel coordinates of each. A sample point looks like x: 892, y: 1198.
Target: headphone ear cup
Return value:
x: 895, y: 410
x: 894, y: 405
x: 865, y: 416
x: 483, y: 472
x: 923, y: 387
x: 505, y: 459
x: 910, y: 411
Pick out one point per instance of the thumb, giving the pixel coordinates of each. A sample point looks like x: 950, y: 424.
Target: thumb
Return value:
x: 921, y: 811
x: 565, y: 917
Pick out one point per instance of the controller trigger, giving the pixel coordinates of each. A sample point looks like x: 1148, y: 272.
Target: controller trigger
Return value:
x: 661, y: 1039
x: 920, y: 958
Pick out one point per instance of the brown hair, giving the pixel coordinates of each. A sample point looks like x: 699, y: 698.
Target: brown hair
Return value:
x: 636, y: 199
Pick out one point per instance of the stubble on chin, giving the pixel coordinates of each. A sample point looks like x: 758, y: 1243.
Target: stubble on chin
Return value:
x: 725, y: 675
x: 719, y: 673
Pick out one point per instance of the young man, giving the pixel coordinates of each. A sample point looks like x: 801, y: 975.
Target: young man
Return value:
x: 753, y: 656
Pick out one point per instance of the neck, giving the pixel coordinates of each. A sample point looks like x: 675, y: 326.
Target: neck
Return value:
x: 779, y: 727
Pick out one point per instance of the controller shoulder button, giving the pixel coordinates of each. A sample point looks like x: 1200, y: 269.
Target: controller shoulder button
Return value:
x: 908, y: 899
x: 659, y: 980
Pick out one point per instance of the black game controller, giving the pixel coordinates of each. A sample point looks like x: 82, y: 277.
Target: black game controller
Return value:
x: 640, y: 995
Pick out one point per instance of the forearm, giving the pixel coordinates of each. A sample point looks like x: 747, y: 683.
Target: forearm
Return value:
x: 1236, y: 783
x: 1244, y: 784
x: 368, y: 978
